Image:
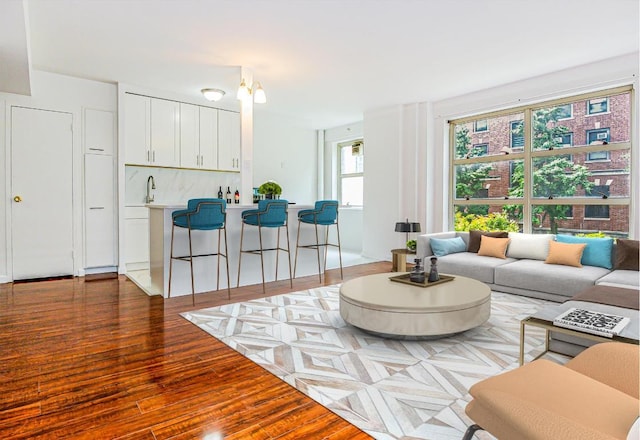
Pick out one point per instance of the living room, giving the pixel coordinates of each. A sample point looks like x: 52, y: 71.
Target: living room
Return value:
x: 406, y: 142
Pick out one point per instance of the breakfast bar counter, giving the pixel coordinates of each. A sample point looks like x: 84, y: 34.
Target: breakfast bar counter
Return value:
x: 205, y: 268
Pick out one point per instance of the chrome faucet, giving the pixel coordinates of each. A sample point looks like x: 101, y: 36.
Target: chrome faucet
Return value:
x: 149, y: 197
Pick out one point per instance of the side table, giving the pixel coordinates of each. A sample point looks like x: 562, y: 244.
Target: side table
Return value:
x: 399, y: 259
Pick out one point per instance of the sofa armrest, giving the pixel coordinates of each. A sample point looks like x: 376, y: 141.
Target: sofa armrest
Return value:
x: 613, y: 363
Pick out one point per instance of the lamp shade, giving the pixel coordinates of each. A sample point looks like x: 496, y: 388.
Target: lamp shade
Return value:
x: 407, y: 227
x: 243, y: 90
x: 259, y: 96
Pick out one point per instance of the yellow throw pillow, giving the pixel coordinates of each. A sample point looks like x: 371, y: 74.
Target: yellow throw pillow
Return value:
x: 567, y: 254
x: 493, y: 247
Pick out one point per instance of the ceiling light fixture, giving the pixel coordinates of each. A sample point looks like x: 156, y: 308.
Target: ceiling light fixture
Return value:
x: 213, y: 94
x: 245, y: 92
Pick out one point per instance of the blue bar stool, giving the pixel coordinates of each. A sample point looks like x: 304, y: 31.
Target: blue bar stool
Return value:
x: 270, y: 214
x: 324, y: 214
x: 203, y: 215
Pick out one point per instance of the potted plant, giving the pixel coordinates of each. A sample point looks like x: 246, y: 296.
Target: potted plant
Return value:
x: 411, y: 245
x: 270, y: 189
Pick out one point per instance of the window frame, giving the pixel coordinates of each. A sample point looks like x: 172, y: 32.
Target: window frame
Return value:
x: 340, y: 174
x: 527, y: 203
x: 512, y: 134
x: 483, y: 129
x: 607, y: 157
x: 589, y: 112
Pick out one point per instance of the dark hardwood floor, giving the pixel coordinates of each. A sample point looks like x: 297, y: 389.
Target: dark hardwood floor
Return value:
x: 102, y: 360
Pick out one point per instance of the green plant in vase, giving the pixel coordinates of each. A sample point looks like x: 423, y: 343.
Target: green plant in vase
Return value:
x: 411, y: 245
x: 270, y: 189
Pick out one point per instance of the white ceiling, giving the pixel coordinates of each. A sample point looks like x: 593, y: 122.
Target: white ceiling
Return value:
x: 327, y: 61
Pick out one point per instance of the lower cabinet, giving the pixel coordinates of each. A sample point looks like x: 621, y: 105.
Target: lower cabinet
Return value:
x: 100, y: 219
x: 136, y: 237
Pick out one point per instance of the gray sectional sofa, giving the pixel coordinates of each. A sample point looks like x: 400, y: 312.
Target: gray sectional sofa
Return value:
x: 524, y: 276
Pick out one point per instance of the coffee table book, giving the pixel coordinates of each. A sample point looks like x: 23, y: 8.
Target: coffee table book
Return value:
x: 588, y: 321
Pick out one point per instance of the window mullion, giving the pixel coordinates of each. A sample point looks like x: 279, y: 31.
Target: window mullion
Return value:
x: 528, y: 172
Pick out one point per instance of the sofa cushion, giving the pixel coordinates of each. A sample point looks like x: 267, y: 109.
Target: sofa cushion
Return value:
x: 597, y: 253
x: 538, y: 276
x: 568, y: 254
x: 471, y: 265
x: 530, y: 246
x: 493, y: 247
x: 445, y: 246
x: 423, y: 245
x: 628, y: 279
x: 627, y: 254
x: 474, y: 238
x: 563, y: 392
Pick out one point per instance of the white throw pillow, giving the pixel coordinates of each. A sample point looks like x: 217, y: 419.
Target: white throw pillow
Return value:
x: 529, y: 246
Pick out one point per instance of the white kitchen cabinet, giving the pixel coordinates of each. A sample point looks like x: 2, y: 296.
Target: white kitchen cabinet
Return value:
x: 165, y: 133
x: 137, y: 129
x: 151, y: 131
x: 99, y: 132
x: 198, y: 137
x: 208, y: 138
x: 136, y: 234
x: 228, y: 141
x: 189, y: 136
x: 100, y: 220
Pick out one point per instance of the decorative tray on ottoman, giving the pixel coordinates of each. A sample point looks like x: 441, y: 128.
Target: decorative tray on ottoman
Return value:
x: 404, y: 278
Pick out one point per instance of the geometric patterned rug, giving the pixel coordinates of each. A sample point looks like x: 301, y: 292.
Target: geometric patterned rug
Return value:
x: 391, y: 389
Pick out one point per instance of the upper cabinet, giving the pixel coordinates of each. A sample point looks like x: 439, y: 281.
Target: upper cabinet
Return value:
x: 208, y: 138
x: 189, y: 136
x: 164, y: 133
x: 151, y: 132
x: 198, y: 137
x: 228, y: 141
x: 99, y: 132
x: 137, y: 129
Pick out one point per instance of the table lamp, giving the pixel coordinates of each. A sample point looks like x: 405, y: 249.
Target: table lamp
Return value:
x: 407, y: 227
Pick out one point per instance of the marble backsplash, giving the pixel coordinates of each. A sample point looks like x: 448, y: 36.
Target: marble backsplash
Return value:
x: 175, y: 185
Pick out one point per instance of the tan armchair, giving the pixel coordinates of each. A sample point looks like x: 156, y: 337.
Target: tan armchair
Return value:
x: 594, y: 396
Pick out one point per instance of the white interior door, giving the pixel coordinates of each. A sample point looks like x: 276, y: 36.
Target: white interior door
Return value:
x: 41, y: 185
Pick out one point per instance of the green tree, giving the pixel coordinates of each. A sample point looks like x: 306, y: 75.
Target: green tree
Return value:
x: 555, y: 176
x: 469, y: 178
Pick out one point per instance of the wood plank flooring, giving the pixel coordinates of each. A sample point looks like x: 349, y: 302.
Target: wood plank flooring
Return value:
x: 102, y: 360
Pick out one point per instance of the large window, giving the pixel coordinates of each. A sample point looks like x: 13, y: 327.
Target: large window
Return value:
x: 562, y: 166
x: 351, y: 173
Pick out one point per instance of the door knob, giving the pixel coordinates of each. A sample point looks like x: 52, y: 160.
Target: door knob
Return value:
x: 17, y: 199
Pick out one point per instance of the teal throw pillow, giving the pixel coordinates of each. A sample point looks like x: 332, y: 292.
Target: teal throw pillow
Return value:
x: 444, y: 246
x: 598, y: 251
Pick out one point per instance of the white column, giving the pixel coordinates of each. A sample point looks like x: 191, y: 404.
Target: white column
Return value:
x: 320, y: 151
x: 246, y: 141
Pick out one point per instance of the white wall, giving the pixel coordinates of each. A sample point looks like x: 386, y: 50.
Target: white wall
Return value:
x: 60, y: 93
x: 395, y: 175
x: 407, y: 156
x: 284, y: 150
